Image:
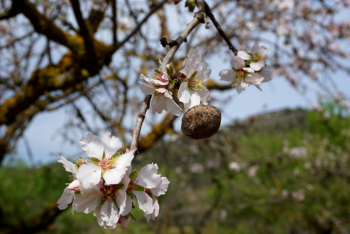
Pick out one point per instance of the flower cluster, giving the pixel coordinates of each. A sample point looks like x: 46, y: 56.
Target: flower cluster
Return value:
x: 106, y: 185
x: 192, y: 92
x: 247, y: 69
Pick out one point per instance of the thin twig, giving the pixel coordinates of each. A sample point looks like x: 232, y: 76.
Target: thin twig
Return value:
x: 114, y: 19
x: 218, y: 27
x: 139, y: 121
x: 138, y: 27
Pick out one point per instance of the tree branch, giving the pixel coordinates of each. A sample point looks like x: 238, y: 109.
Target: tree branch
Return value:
x: 84, y: 31
x: 218, y: 27
x: 155, y: 8
x: 167, y: 59
x: 115, y: 26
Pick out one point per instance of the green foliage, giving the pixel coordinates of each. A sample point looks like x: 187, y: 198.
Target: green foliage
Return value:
x: 293, y: 177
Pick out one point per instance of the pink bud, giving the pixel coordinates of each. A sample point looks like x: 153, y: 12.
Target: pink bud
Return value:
x: 74, y: 186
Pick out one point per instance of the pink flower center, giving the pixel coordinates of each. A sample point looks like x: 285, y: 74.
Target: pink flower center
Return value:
x: 106, y: 164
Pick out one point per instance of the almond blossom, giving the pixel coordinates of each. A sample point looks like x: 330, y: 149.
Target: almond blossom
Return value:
x: 256, y: 59
x: 114, y: 204
x: 147, y: 186
x: 105, y: 161
x: 240, y: 75
x: 192, y: 92
x: 158, y: 87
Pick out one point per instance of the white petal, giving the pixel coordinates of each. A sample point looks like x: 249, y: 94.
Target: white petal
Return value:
x: 146, y: 89
x: 192, y: 63
x: 165, y: 92
x: 240, y: 86
x: 97, y: 214
x: 255, y: 48
x: 89, y: 174
x: 237, y: 63
x: 69, y: 166
x: 152, y: 81
x: 74, y: 186
x: 125, y: 181
x: 267, y: 75
x: 144, y: 201
x: 128, y: 206
x: 65, y: 199
x: 195, y: 99
x: 115, y: 175
x: 87, y: 203
x: 156, y: 208
x: 109, y: 213
x: 155, y: 212
x: 163, y: 70
x: 254, y: 79
x: 243, y: 55
x: 161, y: 188
x: 204, y: 94
x: 248, y: 69
x: 172, y: 107
x: 92, y: 146
x: 158, y: 104
x: 263, y: 52
x: 148, y: 216
x: 258, y: 65
x: 183, y: 95
x: 111, y: 144
x: 121, y: 200
x: 148, y: 177
x: 204, y: 73
x: 227, y: 75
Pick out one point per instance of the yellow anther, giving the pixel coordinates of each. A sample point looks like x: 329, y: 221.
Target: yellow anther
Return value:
x: 256, y: 57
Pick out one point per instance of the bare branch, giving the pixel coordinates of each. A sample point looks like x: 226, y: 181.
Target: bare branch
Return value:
x: 139, y: 122
x: 138, y: 27
x: 221, y: 32
x: 167, y: 58
x: 114, y: 20
x: 83, y: 29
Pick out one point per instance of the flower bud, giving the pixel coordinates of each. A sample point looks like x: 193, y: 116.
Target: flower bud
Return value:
x: 201, y: 122
x: 80, y: 161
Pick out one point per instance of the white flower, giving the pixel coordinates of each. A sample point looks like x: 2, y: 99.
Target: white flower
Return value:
x: 240, y: 75
x: 192, y: 92
x: 147, y: 186
x: 124, y: 23
x: 297, y: 152
x: 114, y: 205
x: 284, y: 4
x: 105, y: 161
x: 158, y: 87
x: 155, y: 212
x: 256, y: 58
x: 88, y: 199
x: 159, y: 190
x: 234, y: 166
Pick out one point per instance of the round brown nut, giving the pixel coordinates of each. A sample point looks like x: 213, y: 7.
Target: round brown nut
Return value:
x: 201, y: 122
